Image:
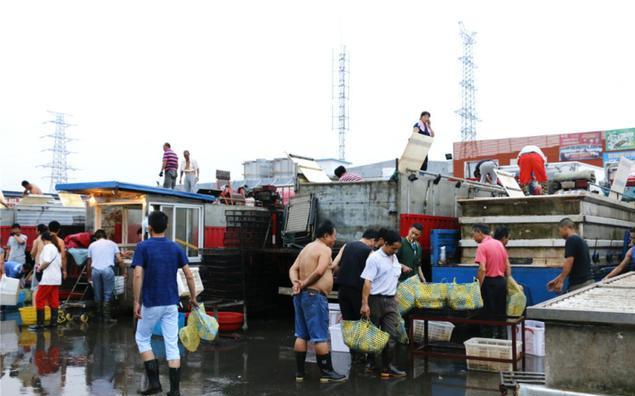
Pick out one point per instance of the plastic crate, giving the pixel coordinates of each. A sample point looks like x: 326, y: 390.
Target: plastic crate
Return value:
x: 429, y: 223
x: 490, y: 348
x: 28, y: 315
x: 214, y: 237
x: 534, y: 337
x: 437, y: 331
x: 449, y: 239
x: 335, y: 316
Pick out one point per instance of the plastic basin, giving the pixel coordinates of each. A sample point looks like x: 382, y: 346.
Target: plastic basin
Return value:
x: 228, y: 321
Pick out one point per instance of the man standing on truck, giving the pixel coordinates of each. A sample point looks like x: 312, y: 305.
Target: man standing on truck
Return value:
x: 169, y: 167
x: 423, y: 127
x: 345, y: 176
x: 531, y: 163
x: 485, y: 172
x: 381, y: 277
x: 30, y: 189
x: 189, y: 167
x: 577, y: 263
x: 411, y: 253
x: 156, y: 262
x: 494, y: 267
x: 312, y: 279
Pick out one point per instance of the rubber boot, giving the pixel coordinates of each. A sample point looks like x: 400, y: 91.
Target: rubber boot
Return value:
x: 175, y: 382
x: 300, y: 358
x: 327, y: 374
x: 152, y: 372
x: 39, y: 326
x: 388, y: 370
x: 54, y: 316
x: 100, y: 310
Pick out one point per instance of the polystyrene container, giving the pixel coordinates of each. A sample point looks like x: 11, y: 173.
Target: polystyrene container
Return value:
x: 335, y: 316
x: 490, y: 348
x: 437, y: 331
x: 9, y: 290
x: 337, y: 341
x: 181, y: 281
x: 534, y: 337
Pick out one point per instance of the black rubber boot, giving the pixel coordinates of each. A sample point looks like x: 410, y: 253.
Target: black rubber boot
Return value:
x: 175, y: 382
x: 371, y: 363
x: 39, y: 326
x: 54, y: 316
x: 300, y: 358
x: 388, y: 370
x: 327, y: 374
x: 99, y: 310
x: 152, y: 372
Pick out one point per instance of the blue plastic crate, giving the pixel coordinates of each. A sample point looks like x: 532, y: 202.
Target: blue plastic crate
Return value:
x: 449, y: 239
x: 157, y: 328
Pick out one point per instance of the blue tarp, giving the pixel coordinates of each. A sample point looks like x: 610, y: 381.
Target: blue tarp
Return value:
x: 87, y: 188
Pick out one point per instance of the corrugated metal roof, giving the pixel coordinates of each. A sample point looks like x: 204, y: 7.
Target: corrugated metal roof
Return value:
x: 86, y: 188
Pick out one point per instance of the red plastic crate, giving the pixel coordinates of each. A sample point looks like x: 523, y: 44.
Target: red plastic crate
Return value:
x: 214, y: 237
x: 429, y: 223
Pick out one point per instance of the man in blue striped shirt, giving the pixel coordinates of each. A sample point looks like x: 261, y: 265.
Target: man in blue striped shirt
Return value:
x: 170, y: 167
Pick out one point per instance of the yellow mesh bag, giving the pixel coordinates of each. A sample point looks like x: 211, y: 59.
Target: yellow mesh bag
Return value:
x: 464, y: 296
x: 363, y: 336
x: 516, y: 299
x: 407, y: 294
x: 431, y: 295
x: 403, y: 334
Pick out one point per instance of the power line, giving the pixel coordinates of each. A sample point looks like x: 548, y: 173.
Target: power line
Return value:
x: 58, y: 165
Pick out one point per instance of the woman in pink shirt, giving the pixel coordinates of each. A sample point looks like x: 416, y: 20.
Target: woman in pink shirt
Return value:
x: 493, y: 262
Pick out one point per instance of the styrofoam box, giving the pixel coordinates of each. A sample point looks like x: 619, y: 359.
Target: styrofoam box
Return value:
x: 181, y: 281
x: 490, y: 348
x: 337, y: 341
x: 534, y: 337
x: 335, y: 316
x: 437, y: 331
x: 9, y: 290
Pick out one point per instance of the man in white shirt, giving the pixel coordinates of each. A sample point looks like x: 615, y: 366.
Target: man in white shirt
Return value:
x: 102, y: 255
x: 381, y: 277
x: 531, y: 162
x: 189, y: 167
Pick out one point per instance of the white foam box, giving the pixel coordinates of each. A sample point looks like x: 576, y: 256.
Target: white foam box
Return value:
x: 335, y: 316
x: 337, y: 341
x: 181, y: 281
x: 9, y: 290
x: 534, y: 337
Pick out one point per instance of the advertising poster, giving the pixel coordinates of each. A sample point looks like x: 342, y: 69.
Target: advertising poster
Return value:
x: 581, y: 146
x: 620, y: 139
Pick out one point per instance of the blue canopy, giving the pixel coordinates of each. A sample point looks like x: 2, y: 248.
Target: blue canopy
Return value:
x: 87, y: 188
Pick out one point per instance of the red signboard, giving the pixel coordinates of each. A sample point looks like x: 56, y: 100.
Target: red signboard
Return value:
x: 586, y: 138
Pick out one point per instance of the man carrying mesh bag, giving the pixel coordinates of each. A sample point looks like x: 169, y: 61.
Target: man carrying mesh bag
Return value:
x: 381, y: 276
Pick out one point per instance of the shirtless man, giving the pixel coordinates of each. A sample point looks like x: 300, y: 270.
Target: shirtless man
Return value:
x: 30, y: 189
x: 312, y: 279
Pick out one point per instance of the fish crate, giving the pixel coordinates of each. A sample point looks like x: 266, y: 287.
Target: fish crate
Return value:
x: 490, y: 348
x: 437, y: 331
x: 28, y: 315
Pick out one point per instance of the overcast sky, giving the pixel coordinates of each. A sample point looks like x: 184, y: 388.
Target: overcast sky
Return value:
x: 240, y: 80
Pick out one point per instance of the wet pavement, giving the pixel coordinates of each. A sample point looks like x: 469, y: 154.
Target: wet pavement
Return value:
x: 95, y: 359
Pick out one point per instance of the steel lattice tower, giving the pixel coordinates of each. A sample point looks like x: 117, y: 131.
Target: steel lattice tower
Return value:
x: 341, y: 97
x: 58, y: 165
x: 467, y: 112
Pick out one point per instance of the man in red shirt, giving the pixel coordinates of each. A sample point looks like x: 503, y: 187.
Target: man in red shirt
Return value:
x: 493, y: 262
